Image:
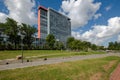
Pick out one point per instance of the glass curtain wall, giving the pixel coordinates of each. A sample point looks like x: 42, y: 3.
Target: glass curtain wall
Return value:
x: 60, y: 25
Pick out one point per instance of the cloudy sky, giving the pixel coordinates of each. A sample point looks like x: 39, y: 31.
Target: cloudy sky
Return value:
x: 96, y: 21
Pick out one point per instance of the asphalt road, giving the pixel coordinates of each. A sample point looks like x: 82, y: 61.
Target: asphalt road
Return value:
x: 55, y: 60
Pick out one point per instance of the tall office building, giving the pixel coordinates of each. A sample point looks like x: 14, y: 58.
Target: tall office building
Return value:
x: 53, y: 22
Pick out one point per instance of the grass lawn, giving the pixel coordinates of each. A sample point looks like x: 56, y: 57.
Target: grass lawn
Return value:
x: 43, y: 53
x: 92, y: 69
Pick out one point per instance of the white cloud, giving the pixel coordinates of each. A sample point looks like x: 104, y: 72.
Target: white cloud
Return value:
x: 118, y: 38
x: 77, y: 35
x: 3, y: 17
x: 101, y: 33
x: 80, y: 11
x: 108, y: 8
x: 21, y: 11
x: 96, y: 16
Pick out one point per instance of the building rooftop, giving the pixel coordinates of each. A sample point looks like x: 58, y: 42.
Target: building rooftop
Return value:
x: 42, y: 7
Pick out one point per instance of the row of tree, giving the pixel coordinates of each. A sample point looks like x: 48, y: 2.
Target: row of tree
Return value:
x: 74, y: 44
x: 14, y: 34
x: 71, y: 44
x: 114, y: 45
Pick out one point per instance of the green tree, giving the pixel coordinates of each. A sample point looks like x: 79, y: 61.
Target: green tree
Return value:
x: 50, y: 40
x: 94, y: 47
x: 28, y: 32
x: 111, y: 46
x: 69, y: 42
x: 12, y: 29
x: 59, y: 45
x: 101, y: 48
x: 76, y: 45
x: 86, y: 45
x: 1, y: 32
x: 114, y: 45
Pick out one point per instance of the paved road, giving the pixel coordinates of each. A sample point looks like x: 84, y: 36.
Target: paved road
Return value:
x: 55, y: 60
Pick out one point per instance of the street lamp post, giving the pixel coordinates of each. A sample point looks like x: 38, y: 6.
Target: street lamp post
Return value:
x: 22, y: 36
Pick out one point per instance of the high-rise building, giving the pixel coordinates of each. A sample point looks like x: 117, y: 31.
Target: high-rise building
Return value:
x: 53, y: 22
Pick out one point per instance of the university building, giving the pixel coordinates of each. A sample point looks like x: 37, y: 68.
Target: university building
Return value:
x: 53, y: 22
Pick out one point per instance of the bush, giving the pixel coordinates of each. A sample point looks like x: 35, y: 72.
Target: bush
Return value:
x: 2, y: 47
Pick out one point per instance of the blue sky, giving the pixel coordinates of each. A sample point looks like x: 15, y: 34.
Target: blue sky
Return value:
x: 96, y: 21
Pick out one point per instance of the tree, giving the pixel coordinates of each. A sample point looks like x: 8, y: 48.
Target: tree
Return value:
x: 1, y: 32
x: 50, y: 40
x: 12, y: 30
x: 101, y: 48
x: 86, y: 45
x: 111, y: 46
x: 28, y: 32
x: 69, y: 42
x: 94, y: 47
x: 59, y: 45
x: 76, y: 45
x: 114, y: 45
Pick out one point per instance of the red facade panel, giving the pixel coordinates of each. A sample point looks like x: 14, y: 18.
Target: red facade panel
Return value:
x: 39, y: 26
x: 41, y: 7
x: 38, y: 23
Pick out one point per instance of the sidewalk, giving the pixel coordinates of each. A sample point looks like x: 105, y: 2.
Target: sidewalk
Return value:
x: 55, y: 60
x: 116, y: 74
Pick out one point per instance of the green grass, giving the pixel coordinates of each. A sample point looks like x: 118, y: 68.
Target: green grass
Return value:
x: 43, y: 53
x: 76, y: 70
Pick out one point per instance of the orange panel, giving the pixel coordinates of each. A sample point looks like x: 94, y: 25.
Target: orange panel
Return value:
x: 39, y: 23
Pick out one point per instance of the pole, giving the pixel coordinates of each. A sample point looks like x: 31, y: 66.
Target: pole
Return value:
x: 35, y: 42
x: 22, y: 48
